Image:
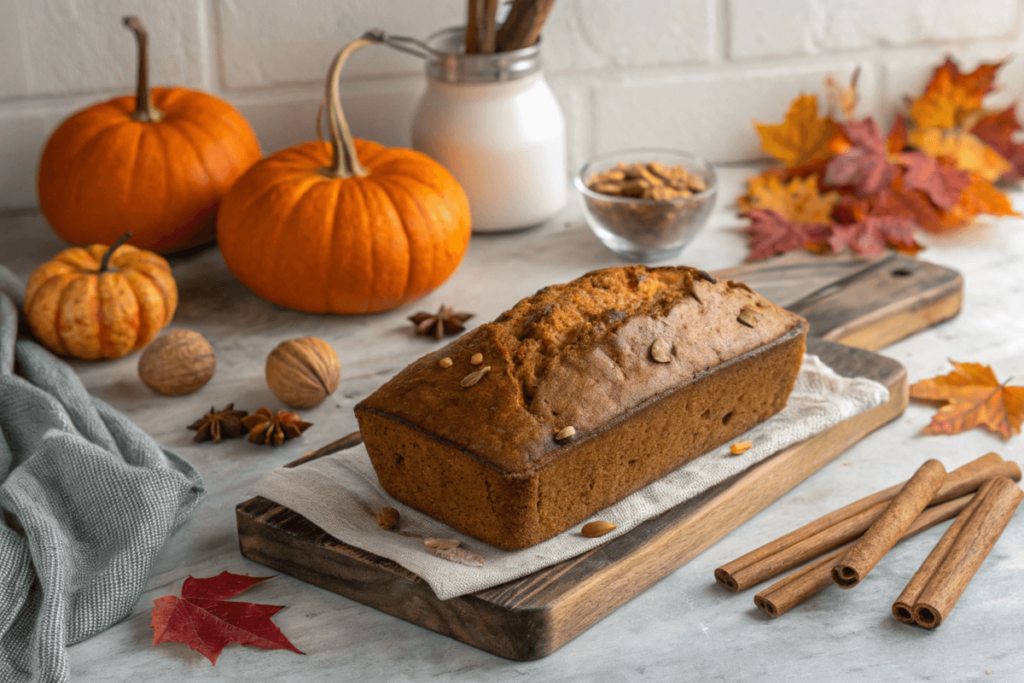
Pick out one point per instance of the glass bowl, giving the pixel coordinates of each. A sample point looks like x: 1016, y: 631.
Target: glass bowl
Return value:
x: 647, y: 229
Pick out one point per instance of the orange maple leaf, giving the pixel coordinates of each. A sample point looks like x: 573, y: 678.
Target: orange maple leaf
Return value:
x: 785, y: 174
x: 897, y: 138
x: 802, y: 136
x: 952, y: 96
x: 973, y: 397
x: 980, y: 196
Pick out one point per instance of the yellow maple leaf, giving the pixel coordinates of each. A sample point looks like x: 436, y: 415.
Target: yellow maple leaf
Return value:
x: 799, y: 200
x: 803, y: 135
x: 951, y: 96
x: 967, y: 150
x: 981, y: 196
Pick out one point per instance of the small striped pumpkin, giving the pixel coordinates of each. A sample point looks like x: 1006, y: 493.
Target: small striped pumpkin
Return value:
x: 100, y: 301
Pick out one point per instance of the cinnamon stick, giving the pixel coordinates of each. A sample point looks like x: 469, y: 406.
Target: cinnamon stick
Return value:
x: 473, y: 13
x: 847, y: 523
x: 523, y: 24
x: 860, y: 558
x: 903, y: 608
x: 854, y: 527
x: 966, y: 553
x: 786, y: 594
x: 797, y: 554
x: 487, y: 35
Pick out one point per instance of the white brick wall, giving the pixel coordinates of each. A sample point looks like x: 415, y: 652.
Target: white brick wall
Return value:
x: 774, y: 28
x: 708, y: 114
x: 66, y: 47
x: 689, y: 74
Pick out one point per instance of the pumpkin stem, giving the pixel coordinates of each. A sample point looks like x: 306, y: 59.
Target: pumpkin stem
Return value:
x: 144, y: 109
x: 344, y: 162
x: 105, y: 261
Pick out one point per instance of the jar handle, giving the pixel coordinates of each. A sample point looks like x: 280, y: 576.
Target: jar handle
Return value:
x: 344, y: 161
x: 406, y: 44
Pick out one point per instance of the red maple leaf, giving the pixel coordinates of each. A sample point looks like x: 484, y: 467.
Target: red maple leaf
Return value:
x: 865, y: 165
x: 772, y: 234
x: 204, y: 620
x: 907, y: 203
x: 911, y: 205
x: 998, y: 130
x: 942, y: 182
x: 869, y: 236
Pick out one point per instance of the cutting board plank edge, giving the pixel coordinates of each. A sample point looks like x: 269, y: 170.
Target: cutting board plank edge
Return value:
x: 868, y: 303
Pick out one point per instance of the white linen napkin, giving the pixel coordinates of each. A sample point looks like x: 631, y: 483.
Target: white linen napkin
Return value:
x: 340, y: 493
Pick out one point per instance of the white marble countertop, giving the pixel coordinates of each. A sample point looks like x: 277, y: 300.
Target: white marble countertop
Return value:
x: 683, y: 628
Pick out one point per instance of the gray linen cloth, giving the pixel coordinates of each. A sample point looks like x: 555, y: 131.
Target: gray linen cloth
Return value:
x: 88, y: 500
x: 340, y: 493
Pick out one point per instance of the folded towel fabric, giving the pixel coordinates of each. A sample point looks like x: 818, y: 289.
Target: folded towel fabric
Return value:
x: 88, y: 500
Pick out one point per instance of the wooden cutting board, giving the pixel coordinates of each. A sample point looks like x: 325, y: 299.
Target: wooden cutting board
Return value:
x: 867, y: 302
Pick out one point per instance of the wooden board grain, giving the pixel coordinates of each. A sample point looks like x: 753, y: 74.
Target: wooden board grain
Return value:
x: 535, y: 615
x: 866, y: 303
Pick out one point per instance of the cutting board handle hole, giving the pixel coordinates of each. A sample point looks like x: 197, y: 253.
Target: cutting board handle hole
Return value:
x: 901, y: 272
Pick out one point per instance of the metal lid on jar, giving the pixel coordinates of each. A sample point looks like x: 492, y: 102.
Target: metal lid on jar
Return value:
x: 447, y: 61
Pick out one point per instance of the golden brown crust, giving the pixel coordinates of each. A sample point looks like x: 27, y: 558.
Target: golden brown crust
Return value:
x: 577, y: 354
x: 651, y: 368
x: 518, y: 510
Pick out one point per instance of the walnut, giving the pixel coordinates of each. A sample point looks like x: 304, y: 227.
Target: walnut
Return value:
x: 177, y: 363
x: 303, y: 372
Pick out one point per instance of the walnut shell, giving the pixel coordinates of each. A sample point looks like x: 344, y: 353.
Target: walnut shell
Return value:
x: 177, y: 363
x: 303, y: 372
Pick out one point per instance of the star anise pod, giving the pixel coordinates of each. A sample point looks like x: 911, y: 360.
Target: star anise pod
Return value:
x: 445, y: 321
x: 273, y: 430
x: 219, y: 424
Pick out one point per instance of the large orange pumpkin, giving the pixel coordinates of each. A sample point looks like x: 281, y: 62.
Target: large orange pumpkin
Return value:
x: 100, y: 302
x: 348, y: 226
x: 157, y: 164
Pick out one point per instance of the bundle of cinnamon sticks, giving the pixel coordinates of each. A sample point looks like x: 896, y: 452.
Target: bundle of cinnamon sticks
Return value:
x: 520, y: 29
x: 981, y: 494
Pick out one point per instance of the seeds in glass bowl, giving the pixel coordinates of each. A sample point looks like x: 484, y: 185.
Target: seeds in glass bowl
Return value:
x: 649, y: 204
x: 647, y: 180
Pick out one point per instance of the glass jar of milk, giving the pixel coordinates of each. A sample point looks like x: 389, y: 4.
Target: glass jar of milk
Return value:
x: 493, y: 121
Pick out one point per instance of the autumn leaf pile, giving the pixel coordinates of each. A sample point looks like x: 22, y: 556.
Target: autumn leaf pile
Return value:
x: 845, y: 184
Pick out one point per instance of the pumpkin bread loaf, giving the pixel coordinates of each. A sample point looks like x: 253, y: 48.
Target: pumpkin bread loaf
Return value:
x: 650, y: 367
